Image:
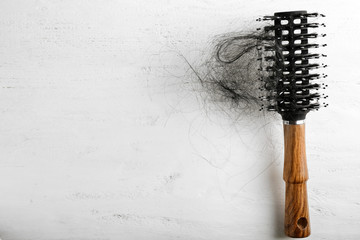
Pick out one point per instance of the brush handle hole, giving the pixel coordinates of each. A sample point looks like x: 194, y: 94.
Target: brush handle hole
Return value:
x: 302, y: 223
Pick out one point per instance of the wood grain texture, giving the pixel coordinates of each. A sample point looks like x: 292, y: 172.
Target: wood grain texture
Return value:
x: 297, y: 221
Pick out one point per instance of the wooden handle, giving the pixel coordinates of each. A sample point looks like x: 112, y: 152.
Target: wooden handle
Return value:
x: 297, y: 222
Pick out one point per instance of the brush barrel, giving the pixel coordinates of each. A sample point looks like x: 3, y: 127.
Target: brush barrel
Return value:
x: 297, y: 221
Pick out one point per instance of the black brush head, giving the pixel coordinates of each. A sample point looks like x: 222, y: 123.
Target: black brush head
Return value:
x: 290, y: 84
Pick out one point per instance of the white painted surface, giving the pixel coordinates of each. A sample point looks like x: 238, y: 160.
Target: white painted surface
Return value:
x: 101, y: 138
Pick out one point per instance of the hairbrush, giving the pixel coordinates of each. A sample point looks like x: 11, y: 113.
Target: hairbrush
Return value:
x: 292, y: 89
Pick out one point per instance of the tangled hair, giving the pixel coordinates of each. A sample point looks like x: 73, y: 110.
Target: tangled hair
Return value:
x: 232, y: 74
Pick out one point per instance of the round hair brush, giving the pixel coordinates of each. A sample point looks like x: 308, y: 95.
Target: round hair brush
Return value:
x: 291, y: 90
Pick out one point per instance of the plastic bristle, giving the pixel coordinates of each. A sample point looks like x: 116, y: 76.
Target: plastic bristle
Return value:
x: 288, y: 62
